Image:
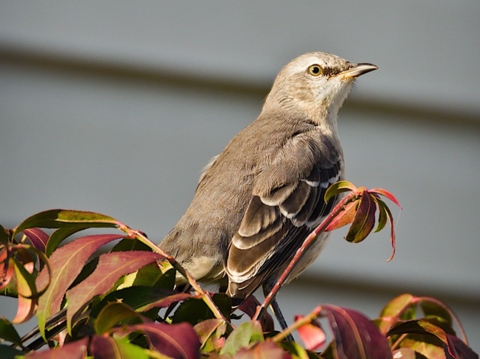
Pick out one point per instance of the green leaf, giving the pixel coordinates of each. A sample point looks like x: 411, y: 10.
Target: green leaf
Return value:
x: 142, y: 298
x: 8, y: 332
x: 114, y: 314
x: 339, y: 187
x: 196, y: 310
x: 111, y: 266
x: 245, y: 334
x: 56, y: 218
x: 7, y: 352
x: 434, y: 308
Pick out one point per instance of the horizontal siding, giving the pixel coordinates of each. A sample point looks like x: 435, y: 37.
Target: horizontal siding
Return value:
x: 100, y: 115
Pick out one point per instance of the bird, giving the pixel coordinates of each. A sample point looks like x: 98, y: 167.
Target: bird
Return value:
x: 257, y: 201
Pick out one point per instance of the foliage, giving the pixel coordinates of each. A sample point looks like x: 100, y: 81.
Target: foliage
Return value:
x: 124, y: 304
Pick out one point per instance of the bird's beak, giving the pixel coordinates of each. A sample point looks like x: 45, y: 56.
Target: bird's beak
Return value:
x: 357, y: 70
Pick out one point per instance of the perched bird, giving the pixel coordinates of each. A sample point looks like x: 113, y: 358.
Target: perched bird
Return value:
x: 258, y: 200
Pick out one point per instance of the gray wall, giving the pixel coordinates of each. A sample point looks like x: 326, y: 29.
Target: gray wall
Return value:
x: 115, y: 106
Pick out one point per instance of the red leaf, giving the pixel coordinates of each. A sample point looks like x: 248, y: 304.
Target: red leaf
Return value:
x: 37, y: 237
x: 74, y: 350
x: 459, y: 349
x: 355, y: 335
x: 174, y: 340
x: 249, y: 307
x: 387, y: 194
x: 111, y: 266
x: 66, y: 263
x: 311, y: 334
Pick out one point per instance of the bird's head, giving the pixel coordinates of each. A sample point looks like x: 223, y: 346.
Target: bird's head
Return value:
x: 316, y: 84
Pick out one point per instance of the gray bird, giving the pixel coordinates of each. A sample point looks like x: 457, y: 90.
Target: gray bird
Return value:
x: 258, y: 200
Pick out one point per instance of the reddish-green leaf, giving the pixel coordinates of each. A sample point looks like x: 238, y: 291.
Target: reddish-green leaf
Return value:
x: 56, y: 218
x: 58, y: 236
x: 37, y: 237
x: 73, y: 350
x: 103, y: 347
x: 364, y: 220
x: 311, y: 334
x: 242, y: 336
x: 343, y: 218
x: 7, y: 268
x: 66, y: 263
x: 174, y: 340
x: 394, y: 310
x: 355, y: 335
x: 407, y: 353
x: 111, y: 266
x: 263, y: 350
x: 210, y: 333
x: 27, y: 292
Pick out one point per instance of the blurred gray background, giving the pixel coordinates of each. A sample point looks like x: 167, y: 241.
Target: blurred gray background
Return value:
x: 115, y: 107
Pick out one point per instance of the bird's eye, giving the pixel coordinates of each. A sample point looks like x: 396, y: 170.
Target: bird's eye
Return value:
x: 315, y: 70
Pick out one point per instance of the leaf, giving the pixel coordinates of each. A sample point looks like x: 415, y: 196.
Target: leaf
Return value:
x: 355, y: 335
x: 263, y: 350
x: 56, y: 218
x: 73, y: 350
x: 311, y: 334
x: 27, y: 291
x: 8, y: 332
x: 343, y: 218
x: 249, y: 307
x: 387, y: 194
x: 7, y: 352
x: 394, y: 310
x: 459, y: 349
x: 210, y: 333
x: 407, y: 353
x: 7, y: 268
x: 142, y: 298
x: 339, y: 187
x: 196, y: 310
x: 111, y: 348
x: 364, y: 220
x: 66, y: 263
x: 174, y: 340
x: 37, y: 237
x: 111, y: 266
x: 242, y: 336
x: 58, y: 236
x: 114, y: 314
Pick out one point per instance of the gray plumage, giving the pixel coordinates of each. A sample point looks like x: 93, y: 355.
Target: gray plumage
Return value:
x: 260, y: 198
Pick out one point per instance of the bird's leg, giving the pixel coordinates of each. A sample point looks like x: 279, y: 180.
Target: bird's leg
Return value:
x: 278, y: 313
